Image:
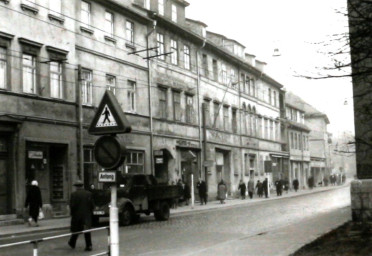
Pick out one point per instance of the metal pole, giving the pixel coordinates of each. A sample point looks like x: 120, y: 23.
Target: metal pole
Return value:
x: 200, y: 110
x: 192, y: 191
x: 108, y: 242
x: 35, y: 250
x: 205, y: 143
x: 149, y: 77
x: 80, y: 116
x: 114, y: 223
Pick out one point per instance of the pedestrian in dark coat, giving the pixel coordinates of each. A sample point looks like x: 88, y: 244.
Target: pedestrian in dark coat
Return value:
x: 242, y: 188
x: 221, y: 191
x: 181, y: 192
x: 295, y: 184
x: 265, y: 187
x: 259, y: 188
x: 34, y: 202
x: 250, y: 188
x: 202, y: 189
x: 186, y: 193
x: 279, y: 187
x: 310, y: 182
x: 286, y: 185
x: 81, y: 207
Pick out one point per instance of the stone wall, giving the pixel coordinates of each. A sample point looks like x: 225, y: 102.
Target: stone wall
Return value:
x: 361, y: 200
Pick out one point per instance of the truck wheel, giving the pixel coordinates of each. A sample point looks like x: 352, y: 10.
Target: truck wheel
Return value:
x: 126, y: 216
x: 163, y: 212
x: 95, y: 221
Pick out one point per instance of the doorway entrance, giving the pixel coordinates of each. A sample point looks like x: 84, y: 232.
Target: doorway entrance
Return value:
x: 5, y: 189
x: 47, y: 164
x: 223, y: 170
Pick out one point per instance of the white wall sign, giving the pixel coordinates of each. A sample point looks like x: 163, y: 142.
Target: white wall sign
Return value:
x: 107, y: 177
x: 35, y: 154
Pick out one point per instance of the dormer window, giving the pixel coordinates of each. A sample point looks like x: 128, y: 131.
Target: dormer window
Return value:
x: 161, y: 7
x: 147, y: 4
x: 204, y: 32
x: 236, y: 49
x: 174, y: 13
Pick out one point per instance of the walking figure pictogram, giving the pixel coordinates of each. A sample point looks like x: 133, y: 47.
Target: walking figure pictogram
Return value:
x: 106, y: 113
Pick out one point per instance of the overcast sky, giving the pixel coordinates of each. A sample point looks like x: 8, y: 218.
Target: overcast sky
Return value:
x: 298, y: 29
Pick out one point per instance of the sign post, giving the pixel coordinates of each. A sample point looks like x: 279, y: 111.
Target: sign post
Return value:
x: 109, y: 153
x: 192, y: 191
x: 114, y: 222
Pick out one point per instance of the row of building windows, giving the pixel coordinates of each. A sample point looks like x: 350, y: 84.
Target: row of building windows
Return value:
x: 174, y: 51
x: 56, y: 69
x: 161, y: 9
x: 111, y: 84
x: 251, y: 123
x: 29, y: 67
x: 109, y: 22
x: 298, y: 141
x: 177, y: 97
x: 227, y: 78
x: 129, y: 25
x: 295, y: 115
x: 247, y: 83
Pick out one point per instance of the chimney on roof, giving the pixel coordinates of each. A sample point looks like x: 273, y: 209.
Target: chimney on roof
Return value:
x: 250, y: 59
x: 260, y: 65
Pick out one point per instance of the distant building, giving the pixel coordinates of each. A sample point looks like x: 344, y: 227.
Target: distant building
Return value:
x: 298, y: 134
x: 320, y: 141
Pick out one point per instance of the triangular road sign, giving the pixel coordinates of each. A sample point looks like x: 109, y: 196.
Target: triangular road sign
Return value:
x: 109, y: 118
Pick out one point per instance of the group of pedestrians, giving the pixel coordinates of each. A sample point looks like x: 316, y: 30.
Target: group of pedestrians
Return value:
x: 243, y: 188
x: 185, y: 193
x: 260, y: 187
x: 81, y: 208
x: 337, y: 179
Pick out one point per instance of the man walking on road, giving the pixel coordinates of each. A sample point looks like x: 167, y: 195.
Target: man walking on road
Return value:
x: 295, y: 184
x: 279, y: 187
x: 250, y: 188
x: 202, y: 189
x: 81, y: 207
x: 242, y: 189
x: 265, y: 186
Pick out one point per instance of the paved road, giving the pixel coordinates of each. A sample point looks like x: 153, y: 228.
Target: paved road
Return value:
x: 276, y: 227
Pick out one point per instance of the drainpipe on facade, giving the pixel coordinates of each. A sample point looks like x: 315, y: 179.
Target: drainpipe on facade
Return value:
x: 149, y: 92
x: 240, y: 124
x: 204, y: 146
x: 80, y: 123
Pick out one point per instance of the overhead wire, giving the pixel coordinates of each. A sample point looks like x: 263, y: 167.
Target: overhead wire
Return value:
x: 91, y: 26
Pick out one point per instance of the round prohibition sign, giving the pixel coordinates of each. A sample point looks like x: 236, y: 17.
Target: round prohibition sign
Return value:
x: 108, y: 152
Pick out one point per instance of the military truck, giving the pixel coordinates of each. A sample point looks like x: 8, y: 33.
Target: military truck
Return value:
x: 137, y: 194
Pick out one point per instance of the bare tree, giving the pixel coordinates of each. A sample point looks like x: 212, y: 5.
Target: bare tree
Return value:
x: 360, y: 34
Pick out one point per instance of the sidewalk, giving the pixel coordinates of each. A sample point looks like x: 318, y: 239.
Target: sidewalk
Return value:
x: 64, y: 223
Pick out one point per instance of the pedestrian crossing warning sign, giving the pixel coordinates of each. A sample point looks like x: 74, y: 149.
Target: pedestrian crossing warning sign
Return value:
x: 109, y: 118
x: 106, y: 119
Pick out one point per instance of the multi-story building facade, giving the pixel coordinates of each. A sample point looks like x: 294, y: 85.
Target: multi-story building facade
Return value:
x: 298, y: 140
x: 197, y: 103
x: 38, y: 103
